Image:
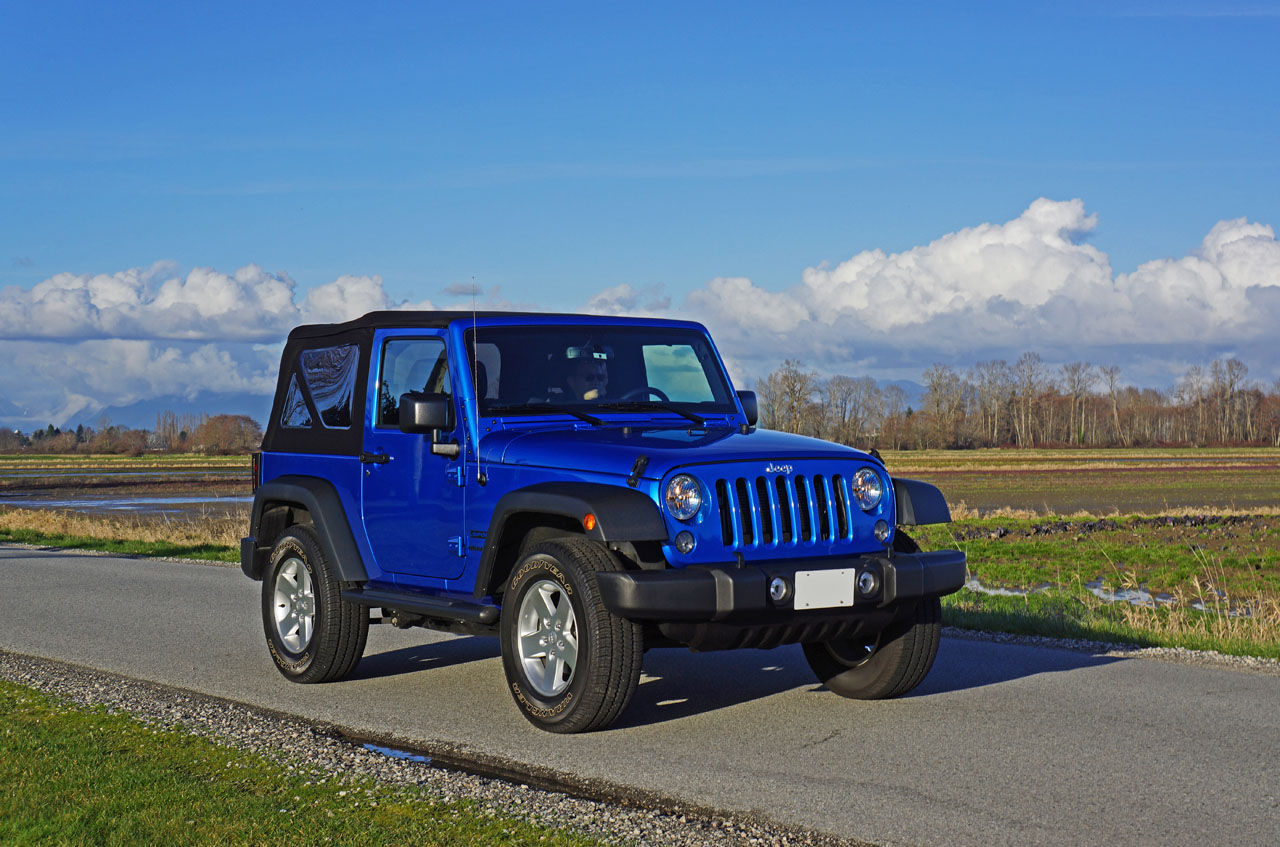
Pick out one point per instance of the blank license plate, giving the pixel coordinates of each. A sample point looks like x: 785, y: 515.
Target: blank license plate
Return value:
x: 824, y: 589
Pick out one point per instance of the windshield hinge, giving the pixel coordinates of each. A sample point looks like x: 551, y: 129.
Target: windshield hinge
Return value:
x: 642, y: 462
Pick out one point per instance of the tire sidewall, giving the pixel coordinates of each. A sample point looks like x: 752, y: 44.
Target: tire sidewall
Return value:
x: 292, y: 545
x: 537, y: 566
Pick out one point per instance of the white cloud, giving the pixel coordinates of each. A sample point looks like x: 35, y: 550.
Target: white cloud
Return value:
x: 89, y: 341
x: 1031, y: 283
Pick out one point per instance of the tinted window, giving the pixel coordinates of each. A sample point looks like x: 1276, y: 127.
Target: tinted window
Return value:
x: 410, y: 365
x: 331, y: 377
x: 295, y: 414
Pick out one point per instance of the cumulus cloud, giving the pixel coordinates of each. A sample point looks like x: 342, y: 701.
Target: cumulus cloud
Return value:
x: 250, y: 304
x: 1031, y: 283
x: 89, y: 341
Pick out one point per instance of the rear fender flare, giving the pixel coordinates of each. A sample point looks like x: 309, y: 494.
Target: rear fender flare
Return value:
x: 328, y: 517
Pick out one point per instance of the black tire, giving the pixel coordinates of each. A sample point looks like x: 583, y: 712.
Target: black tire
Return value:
x: 331, y: 647
x: 554, y: 585
x: 881, y: 665
x: 876, y: 666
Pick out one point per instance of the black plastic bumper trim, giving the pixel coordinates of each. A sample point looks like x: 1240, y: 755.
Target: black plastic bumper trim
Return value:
x: 720, y: 593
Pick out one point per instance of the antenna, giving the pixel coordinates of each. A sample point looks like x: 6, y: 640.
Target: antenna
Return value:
x: 475, y: 375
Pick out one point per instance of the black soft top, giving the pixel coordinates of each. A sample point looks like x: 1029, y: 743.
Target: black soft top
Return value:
x: 424, y: 320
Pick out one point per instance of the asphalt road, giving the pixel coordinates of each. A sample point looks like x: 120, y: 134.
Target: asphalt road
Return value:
x: 1001, y: 745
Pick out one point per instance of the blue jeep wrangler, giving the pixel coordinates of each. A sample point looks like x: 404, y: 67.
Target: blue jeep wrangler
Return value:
x: 583, y: 488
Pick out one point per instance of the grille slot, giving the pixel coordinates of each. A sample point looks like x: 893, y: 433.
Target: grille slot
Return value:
x: 842, y: 506
x: 803, y: 505
x: 746, y: 513
x: 821, y: 501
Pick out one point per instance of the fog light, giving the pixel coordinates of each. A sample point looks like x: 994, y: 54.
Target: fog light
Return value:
x: 778, y: 589
x: 881, y: 531
x: 868, y: 583
x: 685, y: 542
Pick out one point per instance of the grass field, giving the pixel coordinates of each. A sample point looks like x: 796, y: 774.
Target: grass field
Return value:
x: 84, y: 776
x: 1197, y: 530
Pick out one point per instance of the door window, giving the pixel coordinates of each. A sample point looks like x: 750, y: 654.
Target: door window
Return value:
x: 410, y: 365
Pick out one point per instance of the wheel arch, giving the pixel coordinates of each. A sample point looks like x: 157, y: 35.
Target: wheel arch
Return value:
x: 293, y: 499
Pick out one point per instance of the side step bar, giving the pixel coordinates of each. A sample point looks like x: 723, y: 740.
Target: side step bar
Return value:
x: 424, y: 604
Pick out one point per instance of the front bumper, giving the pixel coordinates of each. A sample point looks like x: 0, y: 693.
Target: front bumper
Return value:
x: 731, y: 593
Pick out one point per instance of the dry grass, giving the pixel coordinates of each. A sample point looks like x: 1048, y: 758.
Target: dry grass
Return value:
x: 226, y: 529
x: 961, y: 511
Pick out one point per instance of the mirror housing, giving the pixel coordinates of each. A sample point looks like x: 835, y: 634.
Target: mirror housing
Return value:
x: 422, y: 412
x: 750, y: 407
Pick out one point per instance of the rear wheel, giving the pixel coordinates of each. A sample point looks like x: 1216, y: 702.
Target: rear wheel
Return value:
x: 571, y: 665
x: 312, y: 633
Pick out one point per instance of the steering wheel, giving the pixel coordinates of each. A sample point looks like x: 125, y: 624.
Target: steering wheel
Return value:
x: 645, y: 391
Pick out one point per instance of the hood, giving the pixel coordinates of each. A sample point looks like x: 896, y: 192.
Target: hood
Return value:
x: 614, y: 449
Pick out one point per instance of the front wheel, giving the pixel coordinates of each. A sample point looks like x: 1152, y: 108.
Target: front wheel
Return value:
x: 881, y: 665
x: 313, y: 634
x: 571, y: 665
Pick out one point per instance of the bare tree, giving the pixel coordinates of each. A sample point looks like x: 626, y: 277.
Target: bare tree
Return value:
x: 1111, y: 376
x: 1029, y: 381
x: 1078, y: 379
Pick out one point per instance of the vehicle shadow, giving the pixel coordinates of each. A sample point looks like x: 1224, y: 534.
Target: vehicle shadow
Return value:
x: 677, y: 683
x: 425, y: 657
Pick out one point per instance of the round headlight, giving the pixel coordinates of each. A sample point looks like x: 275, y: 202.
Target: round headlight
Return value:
x: 684, y: 497
x: 867, y: 489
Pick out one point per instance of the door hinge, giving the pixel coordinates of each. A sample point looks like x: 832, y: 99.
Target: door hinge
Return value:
x: 458, y: 474
x: 459, y: 546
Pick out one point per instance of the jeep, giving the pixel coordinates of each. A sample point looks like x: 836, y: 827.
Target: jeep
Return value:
x: 583, y: 488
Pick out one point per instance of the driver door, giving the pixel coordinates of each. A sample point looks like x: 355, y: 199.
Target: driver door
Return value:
x: 412, y: 499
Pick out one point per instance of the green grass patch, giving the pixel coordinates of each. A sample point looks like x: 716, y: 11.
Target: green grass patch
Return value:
x: 73, y: 775
x: 208, y: 552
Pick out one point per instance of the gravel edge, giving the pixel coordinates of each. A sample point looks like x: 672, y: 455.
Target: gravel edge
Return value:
x: 320, y: 752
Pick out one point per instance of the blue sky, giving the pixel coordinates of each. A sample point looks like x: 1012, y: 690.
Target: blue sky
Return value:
x: 559, y: 150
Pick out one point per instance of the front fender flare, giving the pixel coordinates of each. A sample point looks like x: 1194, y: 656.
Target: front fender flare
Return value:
x: 622, y: 514
x: 919, y: 503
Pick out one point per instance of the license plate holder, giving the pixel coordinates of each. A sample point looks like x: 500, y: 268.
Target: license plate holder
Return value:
x: 825, y: 589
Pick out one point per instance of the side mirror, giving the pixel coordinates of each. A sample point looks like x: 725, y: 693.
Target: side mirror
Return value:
x: 750, y: 407
x: 420, y: 412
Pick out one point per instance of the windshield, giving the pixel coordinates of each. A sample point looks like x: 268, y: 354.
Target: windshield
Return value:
x: 591, y: 369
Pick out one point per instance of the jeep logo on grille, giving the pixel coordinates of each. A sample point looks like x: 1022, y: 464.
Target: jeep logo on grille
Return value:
x: 773, y: 467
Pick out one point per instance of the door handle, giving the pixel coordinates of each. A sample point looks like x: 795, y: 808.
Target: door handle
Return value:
x: 374, y: 458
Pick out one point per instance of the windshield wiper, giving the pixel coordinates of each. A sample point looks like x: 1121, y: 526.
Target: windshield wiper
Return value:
x: 641, y: 405
x: 540, y: 408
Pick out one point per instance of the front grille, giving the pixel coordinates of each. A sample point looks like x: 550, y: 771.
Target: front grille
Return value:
x: 782, y: 510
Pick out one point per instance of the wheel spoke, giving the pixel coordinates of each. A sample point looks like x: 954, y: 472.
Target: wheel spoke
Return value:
x: 551, y: 674
x: 569, y: 652
x: 545, y: 609
x: 531, y: 646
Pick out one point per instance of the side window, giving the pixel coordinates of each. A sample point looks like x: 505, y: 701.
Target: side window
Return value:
x: 410, y: 364
x: 330, y: 373
x: 295, y: 414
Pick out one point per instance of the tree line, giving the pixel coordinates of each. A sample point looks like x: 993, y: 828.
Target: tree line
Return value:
x: 1024, y: 404
x: 174, y: 433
